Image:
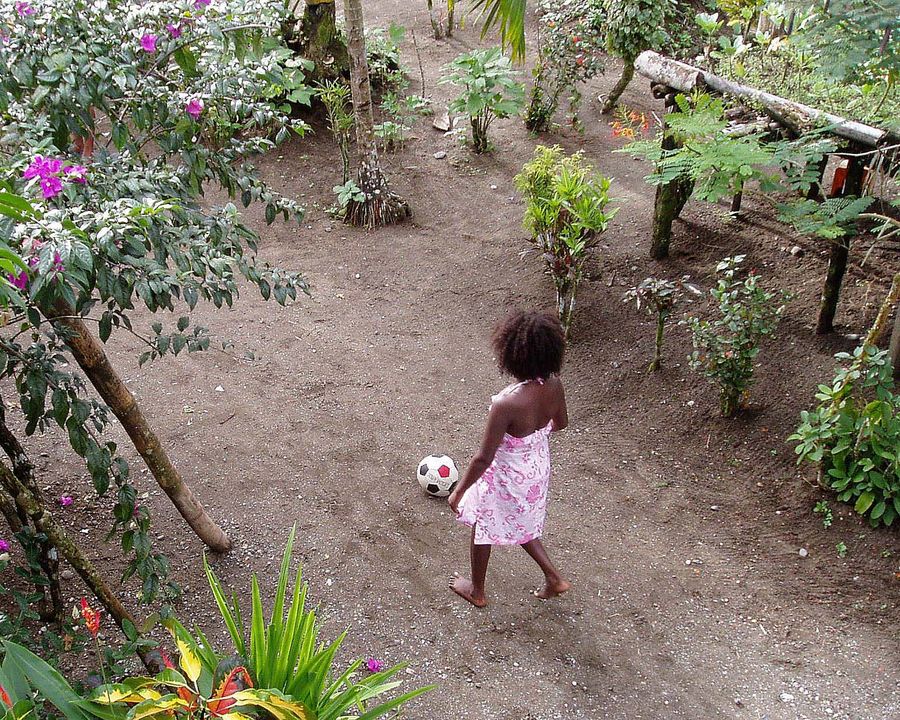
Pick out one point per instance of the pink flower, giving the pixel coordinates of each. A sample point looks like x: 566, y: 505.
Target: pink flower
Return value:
x: 58, y: 263
x: 36, y: 169
x: 201, y: 3
x: 373, y: 665
x: 194, y: 108
x: 24, y: 9
x: 4, y: 546
x: 51, y: 187
x: 148, y: 43
x: 65, y: 500
x: 77, y: 173
x: 20, y: 281
x: 174, y: 30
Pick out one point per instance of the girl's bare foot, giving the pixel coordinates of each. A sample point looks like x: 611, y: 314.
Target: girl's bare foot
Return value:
x: 552, y: 589
x: 465, y: 589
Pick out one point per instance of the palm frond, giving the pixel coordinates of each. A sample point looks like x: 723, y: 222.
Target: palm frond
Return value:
x: 509, y: 17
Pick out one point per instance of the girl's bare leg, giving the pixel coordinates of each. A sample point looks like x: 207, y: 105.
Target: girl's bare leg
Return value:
x: 554, y: 583
x: 473, y: 590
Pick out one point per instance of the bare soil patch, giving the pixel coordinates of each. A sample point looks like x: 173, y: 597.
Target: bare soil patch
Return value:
x: 680, y: 530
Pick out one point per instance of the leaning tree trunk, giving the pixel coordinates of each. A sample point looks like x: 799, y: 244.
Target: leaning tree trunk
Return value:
x: 30, y: 505
x: 319, y: 40
x: 89, y: 354
x: 380, y: 206
x: 627, y: 73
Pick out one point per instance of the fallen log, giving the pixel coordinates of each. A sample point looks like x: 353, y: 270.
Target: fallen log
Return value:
x: 797, y: 116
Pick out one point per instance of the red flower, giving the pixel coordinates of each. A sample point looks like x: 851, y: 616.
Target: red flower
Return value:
x: 5, y: 697
x: 576, y: 39
x: 91, y: 618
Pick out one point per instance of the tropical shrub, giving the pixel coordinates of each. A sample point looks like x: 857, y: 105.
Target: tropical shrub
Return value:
x: 726, y: 347
x: 117, y: 116
x: 386, y: 70
x: 570, y: 44
x: 401, y: 112
x: 565, y: 212
x: 633, y: 26
x: 853, y: 435
x: 658, y: 297
x: 489, y: 91
x: 286, y: 654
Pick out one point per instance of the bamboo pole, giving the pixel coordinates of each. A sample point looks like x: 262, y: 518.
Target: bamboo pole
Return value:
x: 92, y: 359
x: 797, y: 116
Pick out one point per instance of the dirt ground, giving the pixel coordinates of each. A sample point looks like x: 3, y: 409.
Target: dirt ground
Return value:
x: 681, y: 531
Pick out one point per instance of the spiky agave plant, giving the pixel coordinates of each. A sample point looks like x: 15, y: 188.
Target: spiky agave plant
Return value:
x: 286, y: 654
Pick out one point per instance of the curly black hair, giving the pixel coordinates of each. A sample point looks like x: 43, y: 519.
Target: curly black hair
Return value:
x: 530, y: 345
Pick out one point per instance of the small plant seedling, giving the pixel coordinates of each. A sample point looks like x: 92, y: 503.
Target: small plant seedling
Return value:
x: 726, y: 347
x: 887, y: 553
x: 841, y: 548
x: 335, y: 96
x: 658, y: 297
x: 822, y: 509
x: 348, y: 192
x: 489, y: 91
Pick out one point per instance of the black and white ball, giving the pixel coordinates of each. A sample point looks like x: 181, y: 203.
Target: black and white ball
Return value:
x: 437, y: 474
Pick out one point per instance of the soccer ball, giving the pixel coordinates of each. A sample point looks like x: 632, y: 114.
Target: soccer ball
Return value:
x: 437, y: 474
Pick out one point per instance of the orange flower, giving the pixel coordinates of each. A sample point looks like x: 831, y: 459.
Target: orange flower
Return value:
x: 5, y: 697
x: 91, y: 618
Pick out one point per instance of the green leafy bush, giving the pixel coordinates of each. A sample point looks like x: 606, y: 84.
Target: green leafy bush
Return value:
x: 633, y: 26
x: 489, y: 91
x: 565, y: 211
x: 570, y: 46
x: 853, y: 435
x: 726, y: 347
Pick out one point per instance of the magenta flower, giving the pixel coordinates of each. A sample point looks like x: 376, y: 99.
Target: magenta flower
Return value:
x: 4, y: 546
x: 174, y: 30
x: 51, y: 187
x: 201, y: 3
x: 65, y: 500
x: 76, y: 173
x: 373, y: 665
x: 24, y: 9
x: 20, y: 281
x: 148, y: 43
x: 194, y: 108
x: 58, y: 263
x: 36, y: 169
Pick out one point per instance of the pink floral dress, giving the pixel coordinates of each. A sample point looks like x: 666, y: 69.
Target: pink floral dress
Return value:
x: 507, y: 504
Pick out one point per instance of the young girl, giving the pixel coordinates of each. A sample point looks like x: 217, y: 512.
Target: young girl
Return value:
x: 503, y: 494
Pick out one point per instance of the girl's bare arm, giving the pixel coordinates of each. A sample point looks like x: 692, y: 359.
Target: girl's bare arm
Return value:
x: 561, y: 417
x: 497, y: 425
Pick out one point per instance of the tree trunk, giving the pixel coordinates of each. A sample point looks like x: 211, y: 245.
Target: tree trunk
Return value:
x: 380, y: 206
x: 627, y: 73
x: 48, y: 558
x: 89, y: 354
x: 895, y: 343
x: 670, y: 201
x: 797, y: 116
x: 840, y: 252
x: 29, y: 504
x: 320, y: 41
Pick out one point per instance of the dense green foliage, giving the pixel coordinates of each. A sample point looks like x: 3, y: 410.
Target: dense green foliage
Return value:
x: 570, y: 42
x: 726, y: 347
x: 489, y: 91
x: 633, y: 26
x: 565, y: 212
x: 117, y: 117
x: 853, y: 435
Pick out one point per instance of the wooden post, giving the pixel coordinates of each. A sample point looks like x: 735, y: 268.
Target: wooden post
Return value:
x: 736, y: 202
x: 895, y: 344
x: 840, y: 252
x: 670, y: 198
x: 815, y: 189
